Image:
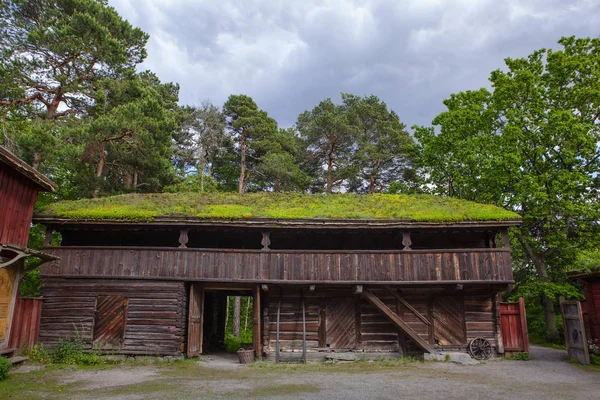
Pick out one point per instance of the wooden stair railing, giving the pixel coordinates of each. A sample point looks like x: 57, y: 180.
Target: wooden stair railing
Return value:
x: 397, y: 321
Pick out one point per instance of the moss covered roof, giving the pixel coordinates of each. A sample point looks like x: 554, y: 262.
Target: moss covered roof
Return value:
x: 233, y: 206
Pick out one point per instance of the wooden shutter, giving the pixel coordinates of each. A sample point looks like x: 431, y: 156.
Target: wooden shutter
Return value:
x: 341, y: 323
x: 109, y: 320
x: 194, y: 346
x: 449, y: 320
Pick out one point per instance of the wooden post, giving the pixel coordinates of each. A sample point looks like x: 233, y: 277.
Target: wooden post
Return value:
x: 183, y: 238
x: 266, y: 241
x: 523, y: 317
x: 505, y: 240
x: 498, y: 325
x: 48, y: 237
x: 256, y: 337
x: 406, y: 241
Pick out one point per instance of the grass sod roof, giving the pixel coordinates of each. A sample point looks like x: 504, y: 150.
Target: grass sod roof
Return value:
x: 233, y: 206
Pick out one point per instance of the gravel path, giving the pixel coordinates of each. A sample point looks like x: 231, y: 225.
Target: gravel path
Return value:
x: 546, y: 376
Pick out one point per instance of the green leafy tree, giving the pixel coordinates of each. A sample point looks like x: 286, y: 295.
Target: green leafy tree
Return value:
x: 530, y: 145
x: 249, y: 126
x: 329, y: 135
x: 53, y: 52
x: 200, y: 140
x: 382, y: 144
x: 129, y: 135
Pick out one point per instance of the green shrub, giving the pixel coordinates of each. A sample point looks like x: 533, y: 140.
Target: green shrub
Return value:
x: 72, y: 351
x: 521, y: 356
x: 37, y: 353
x: 595, y: 360
x: 232, y: 343
x: 5, y: 365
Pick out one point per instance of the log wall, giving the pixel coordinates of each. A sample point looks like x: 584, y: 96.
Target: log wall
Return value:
x: 454, y: 320
x: 154, y: 321
x: 223, y: 265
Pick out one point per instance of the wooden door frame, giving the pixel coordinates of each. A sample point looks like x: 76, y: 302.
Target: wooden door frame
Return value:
x: 196, y: 290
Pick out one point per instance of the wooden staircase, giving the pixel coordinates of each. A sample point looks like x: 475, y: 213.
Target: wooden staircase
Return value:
x: 12, y: 355
x: 397, y: 321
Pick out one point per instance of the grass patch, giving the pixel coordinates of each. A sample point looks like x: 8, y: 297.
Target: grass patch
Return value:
x: 360, y: 365
x: 146, y: 207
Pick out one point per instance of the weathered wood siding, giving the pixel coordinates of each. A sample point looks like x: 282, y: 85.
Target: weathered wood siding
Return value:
x: 9, y: 282
x: 293, y: 266
x: 591, y: 307
x: 454, y: 320
x: 17, y: 196
x: 153, y: 321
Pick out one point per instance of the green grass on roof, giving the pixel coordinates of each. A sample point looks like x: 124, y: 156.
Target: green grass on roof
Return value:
x: 146, y: 207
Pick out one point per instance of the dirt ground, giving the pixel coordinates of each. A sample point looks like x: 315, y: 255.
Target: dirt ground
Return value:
x: 546, y: 376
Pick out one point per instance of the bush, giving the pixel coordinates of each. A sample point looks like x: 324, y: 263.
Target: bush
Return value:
x: 5, y: 365
x: 232, y: 343
x: 37, y: 353
x: 521, y: 356
x: 71, y: 351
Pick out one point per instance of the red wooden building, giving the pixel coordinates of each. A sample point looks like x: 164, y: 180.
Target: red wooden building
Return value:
x: 148, y: 281
x: 19, y: 187
x: 591, y: 306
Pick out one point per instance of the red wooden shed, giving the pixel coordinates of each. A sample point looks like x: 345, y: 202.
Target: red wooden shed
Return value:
x: 19, y: 187
x: 591, y: 305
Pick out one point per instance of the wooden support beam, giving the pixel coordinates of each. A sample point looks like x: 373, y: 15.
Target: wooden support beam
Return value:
x: 256, y: 336
x: 407, y: 305
x: 406, y: 242
x: 358, y: 289
x: 396, y: 320
x: 266, y: 241
x: 48, y: 237
x: 183, y: 238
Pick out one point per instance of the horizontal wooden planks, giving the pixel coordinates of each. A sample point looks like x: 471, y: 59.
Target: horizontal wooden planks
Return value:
x: 153, y: 322
x: 487, y: 265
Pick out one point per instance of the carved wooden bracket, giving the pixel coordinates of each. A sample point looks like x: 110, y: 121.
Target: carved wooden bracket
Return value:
x: 266, y: 241
x: 406, y: 241
x: 183, y: 238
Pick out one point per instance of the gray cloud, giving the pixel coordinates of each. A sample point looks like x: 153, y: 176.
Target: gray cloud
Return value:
x: 289, y: 55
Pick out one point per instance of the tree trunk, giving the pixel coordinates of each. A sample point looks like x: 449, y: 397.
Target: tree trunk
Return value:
x: 373, y: 177
x: 37, y: 158
x: 237, y: 304
x: 201, y: 171
x: 329, y: 188
x: 99, y: 170
x: 127, y: 180
x: 241, y: 185
x: 539, y: 261
x: 135, y: 180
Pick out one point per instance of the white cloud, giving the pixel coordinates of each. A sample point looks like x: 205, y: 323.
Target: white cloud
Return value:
x: 289, y: 55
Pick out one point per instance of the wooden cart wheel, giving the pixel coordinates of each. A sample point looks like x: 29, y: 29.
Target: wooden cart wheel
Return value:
x: 480, y: 349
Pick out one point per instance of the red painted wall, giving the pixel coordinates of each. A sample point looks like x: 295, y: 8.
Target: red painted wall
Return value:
x: 591, y: 288
x: 17, y: 196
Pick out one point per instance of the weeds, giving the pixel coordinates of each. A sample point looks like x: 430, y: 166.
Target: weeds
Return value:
x: 520, y: 356
x: 5, y: 365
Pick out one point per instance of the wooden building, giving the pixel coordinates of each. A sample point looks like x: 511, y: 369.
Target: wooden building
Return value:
x: 371, y: 274
x: 590, y: 281
x: 19, y: 187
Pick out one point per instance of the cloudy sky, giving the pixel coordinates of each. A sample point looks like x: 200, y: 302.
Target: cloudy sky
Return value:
x: 289, y: 55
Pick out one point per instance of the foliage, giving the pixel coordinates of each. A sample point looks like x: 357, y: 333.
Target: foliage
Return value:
x: 5, y: 365
x: 520, y: 356
x: 278, y: 205
x: 586, y: 261
x: 531, y: 146
x: 52, y: 54
x: 37, y: 353
x: 595, y: 360
x: 232, y: 343
x: 72, y: 351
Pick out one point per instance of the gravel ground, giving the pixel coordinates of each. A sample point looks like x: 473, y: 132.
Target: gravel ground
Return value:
x: 546, y: 376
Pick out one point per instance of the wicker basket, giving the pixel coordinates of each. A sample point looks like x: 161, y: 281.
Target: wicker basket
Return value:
x: 246, y: 356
